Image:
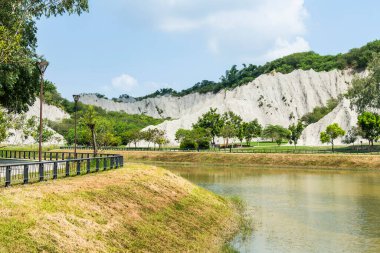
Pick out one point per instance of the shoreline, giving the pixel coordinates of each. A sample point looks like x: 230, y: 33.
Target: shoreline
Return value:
x: 296, y: 161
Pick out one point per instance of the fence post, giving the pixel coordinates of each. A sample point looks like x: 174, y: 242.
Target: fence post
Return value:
x: 55, y: 170
x: 121, y: 161
x: 63, y: 156
x: 78, y: 167
x: 117, y: 162
x: 67, y: 168
x: 26, y: 173
x: 105, y: 163
x: 97, y: 164
x: 8, y: 171
x: 41, y: 171
x: 111, y: 159
x: 56, y: 156
x: 88, y: 166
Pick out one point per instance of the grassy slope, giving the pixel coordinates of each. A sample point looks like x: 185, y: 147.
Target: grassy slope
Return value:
x: 336, y: 161
x: 136, y: 209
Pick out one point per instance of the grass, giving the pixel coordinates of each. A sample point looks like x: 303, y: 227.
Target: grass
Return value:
x: 332, y: 161
x: 136, y: 209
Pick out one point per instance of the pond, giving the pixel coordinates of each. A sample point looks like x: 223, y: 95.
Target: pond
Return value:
x: 297, y: 210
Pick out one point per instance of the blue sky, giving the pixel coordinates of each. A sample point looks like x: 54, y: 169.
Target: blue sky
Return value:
x: 139, y: 46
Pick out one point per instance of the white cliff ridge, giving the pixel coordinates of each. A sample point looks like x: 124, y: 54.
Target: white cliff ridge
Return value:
x: 49, y: 112
x: 272, y: 99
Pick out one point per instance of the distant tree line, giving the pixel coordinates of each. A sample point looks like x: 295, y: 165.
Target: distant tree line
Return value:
x: 229, y: 126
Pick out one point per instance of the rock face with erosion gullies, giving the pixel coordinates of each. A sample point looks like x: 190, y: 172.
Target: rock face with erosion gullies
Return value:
x: 271, y: 98
x: 342, y: 114
x: 49, y: 112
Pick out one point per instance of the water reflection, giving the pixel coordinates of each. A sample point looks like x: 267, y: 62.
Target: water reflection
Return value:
x: 300, y: 210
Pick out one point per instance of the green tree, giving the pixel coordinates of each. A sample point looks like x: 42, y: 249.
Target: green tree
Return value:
x: 228, y: 132
x: 295, y: 132
x: 149, y: 135
x: 351, y: 136
x: 202, y: 138
x: 181, y: 134
x: 4, y: 126
x: 276, y: 133
x: 365, y: 91
x: 232, y: 124
x: 159, y: 138
x: 332, y: 132
x: 197, y: 138
x: 210, y: 120
x: 252, y: 130
x: 19, y: 75
x: 90, y: 119
x: 369, y: 124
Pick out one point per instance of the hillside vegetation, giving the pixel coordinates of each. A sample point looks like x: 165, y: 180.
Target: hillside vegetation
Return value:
x: 357, y: 59
x: 113, y: 128
x: 136, y: 209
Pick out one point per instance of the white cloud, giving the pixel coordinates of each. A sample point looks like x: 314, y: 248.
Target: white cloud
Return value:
x: 243, y: 24
x: 283, y: 47
x: 124, y: 83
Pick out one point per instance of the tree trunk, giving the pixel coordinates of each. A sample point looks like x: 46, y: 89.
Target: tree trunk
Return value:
x: 332, y: 146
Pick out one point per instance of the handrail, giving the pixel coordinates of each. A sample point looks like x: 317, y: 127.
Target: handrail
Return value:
x: 58, y: 166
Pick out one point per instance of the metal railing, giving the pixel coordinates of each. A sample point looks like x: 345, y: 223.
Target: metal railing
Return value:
x: 55, y: 165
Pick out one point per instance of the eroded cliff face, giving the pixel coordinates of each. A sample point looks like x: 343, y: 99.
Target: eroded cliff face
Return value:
x: 49, y: 112
x: 272, y: 99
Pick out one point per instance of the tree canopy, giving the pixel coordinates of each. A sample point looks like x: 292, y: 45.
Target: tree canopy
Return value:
x: 18, y: 41
x: 295, y: 132
x: 332, y: 132
x: 276, y: 133
x: 369, y: 124
x: 365, y: 91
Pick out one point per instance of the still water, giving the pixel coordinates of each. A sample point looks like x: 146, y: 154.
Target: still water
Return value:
x: 300, y: 210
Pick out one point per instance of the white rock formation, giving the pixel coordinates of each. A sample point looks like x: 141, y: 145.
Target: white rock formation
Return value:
x: 271, y: 98
x: 342, y: 114
x: 49, y: 112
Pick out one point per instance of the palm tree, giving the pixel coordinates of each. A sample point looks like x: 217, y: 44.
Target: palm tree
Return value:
x: 90, y: 119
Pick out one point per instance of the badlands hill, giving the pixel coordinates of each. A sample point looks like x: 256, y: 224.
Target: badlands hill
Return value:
x: 49, y: 112
x: 273, y: 98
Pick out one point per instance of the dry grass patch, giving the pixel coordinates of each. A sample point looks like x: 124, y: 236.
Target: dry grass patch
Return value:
x: 136, y: 209
x: 336, y: 161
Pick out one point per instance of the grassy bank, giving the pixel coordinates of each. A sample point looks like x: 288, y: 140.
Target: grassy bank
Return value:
x: 136, y: 209
x: 336, y: 161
